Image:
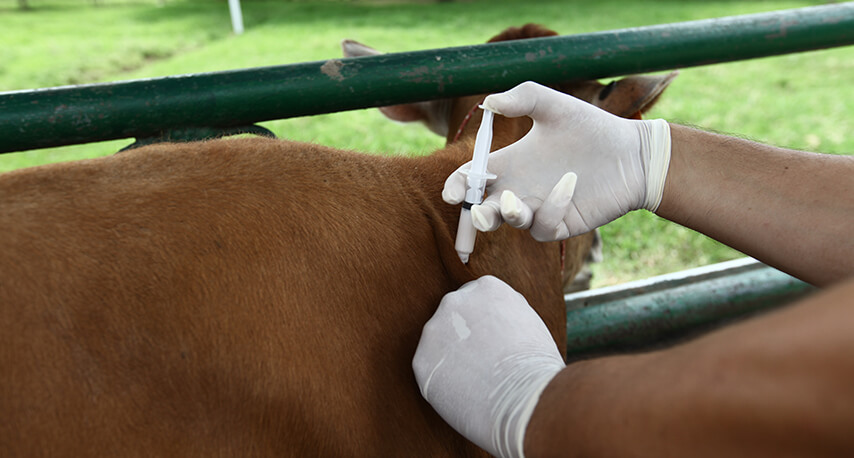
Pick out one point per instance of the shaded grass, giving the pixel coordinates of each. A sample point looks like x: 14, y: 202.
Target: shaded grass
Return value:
x: 801, y: 101
x: 63, y: 43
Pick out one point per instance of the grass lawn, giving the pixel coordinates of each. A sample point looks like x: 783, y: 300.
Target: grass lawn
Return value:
x: 803, y: 101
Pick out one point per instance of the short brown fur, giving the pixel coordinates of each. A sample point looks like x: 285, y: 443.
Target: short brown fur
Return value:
x: 243, y: 297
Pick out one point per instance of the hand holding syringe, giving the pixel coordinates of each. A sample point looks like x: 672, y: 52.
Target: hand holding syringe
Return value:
x: 476, y: 178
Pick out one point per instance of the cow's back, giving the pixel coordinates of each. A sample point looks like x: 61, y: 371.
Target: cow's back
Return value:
x: 236, y: 297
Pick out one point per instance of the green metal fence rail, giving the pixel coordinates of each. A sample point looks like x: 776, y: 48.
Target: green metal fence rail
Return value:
x: 144, y: 108
x: 648, y: 312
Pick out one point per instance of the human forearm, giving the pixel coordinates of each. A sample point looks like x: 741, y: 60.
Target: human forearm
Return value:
x: 790, y: 209
x: 776, y: 385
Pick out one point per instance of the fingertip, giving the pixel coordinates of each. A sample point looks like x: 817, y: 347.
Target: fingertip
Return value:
x: 510, y: 204
x: 478, y: 219
x: 454, y: 190
x: 550, y: 216
x: 485, y: 217
x: 514, y: 211
x: 562, y: 232
x: 514, y: 102
x: 494, y: 102
x: 452, y: 195
x: 563, y: 191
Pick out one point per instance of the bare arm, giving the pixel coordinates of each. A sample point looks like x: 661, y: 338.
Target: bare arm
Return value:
x: 777, y: 385
x: 789, y: 209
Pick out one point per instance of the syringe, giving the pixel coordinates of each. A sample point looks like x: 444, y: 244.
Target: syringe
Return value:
x: 476, y: 178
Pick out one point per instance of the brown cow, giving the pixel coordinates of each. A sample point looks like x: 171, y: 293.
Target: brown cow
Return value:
x: 240, y: 297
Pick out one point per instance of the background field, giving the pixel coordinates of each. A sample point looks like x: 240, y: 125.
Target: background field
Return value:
x: 803, y: 101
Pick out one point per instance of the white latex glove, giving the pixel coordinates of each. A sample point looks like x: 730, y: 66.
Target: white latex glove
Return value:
x: 482, y: 362
x: 620, y: 166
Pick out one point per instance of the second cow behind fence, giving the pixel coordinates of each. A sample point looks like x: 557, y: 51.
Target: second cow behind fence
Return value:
x: 247, y: 297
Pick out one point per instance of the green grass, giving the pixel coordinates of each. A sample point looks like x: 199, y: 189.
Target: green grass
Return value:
x: 802, y: 101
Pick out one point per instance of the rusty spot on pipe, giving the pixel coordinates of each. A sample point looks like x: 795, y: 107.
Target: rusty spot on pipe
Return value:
x: 332, y: 69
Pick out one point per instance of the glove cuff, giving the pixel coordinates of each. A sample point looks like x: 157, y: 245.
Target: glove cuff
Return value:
x: 515, y: 399
x: 655, y: 147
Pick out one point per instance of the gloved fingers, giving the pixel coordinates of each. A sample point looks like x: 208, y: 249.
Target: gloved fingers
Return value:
x: 439, y: 336
x: 486, y: 217
x: 424, y: 365
x: 548, y: 222
x: 447, y: 328
x: 455, y: 186
x: 515, y: 212
x: 508, y: 208
x: 482, y: 361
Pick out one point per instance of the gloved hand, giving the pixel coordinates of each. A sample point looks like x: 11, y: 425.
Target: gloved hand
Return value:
x: 482, y: 362
x: 620, y: 166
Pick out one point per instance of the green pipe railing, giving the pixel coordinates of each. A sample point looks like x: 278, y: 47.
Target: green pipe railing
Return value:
x: 144, y: 108
x: 656, y: 311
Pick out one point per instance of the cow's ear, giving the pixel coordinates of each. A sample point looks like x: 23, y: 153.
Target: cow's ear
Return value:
x: 433, y: 113
x: 353, y: 48
x: 633, y: 95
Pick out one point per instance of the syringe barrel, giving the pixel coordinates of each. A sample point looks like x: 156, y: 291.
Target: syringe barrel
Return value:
x: 466, y: 234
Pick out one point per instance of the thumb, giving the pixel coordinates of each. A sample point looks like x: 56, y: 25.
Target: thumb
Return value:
x: 519, y: 101
x: 454, y: 190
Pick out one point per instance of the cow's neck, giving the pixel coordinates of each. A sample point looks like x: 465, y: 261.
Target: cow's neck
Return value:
x: 466, y: 116
x: 531, y: 267
x: 444, y: 217
x: 428, y: 177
